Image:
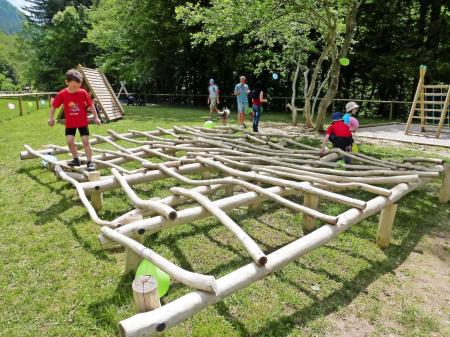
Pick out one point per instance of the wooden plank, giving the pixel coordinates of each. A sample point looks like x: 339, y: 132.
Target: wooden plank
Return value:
x: 443, y: 114
x: 435, y: 110
x: 416, y: 98
x: 436, y: 86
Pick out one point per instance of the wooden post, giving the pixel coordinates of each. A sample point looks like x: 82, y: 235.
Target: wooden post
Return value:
x: 310, y: 201
x: 256, y: 205
x: 20, y: 106
x: 423, y: 70
x: 422, y: 99
x: 391, y: 108
x: 132, y: 260
x: 385, y: 225
x: 145, y: 294
x: 37, y: 102
x: 444, y: 194
x: 444, y: 112
x: 96, y: 197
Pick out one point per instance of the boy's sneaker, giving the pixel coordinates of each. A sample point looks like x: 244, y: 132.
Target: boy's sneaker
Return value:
x: 90, y: 167
x: 74, y: 162
x: 241, y: 126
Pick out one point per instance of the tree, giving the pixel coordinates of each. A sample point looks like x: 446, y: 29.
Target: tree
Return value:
x: 55, y: 48
x: 289, y: 24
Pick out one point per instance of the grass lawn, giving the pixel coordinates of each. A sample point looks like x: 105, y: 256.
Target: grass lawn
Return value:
x: 55, y: 280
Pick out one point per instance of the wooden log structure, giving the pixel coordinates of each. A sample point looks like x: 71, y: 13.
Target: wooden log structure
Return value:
x: 237, y: 168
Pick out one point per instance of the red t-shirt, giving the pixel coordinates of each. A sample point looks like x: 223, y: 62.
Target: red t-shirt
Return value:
x: 74, y: 107
x: 339, y: 129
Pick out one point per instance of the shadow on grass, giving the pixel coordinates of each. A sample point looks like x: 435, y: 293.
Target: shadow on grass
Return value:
x: 415, y: 217
x: 104, y: 311
x: 55, y: 210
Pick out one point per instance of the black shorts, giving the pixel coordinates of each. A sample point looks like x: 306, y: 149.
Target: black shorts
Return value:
x: 84, y: 131
x: 344, y: 143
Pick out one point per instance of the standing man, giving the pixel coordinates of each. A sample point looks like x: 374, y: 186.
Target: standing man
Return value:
x: 241, y: 90
x: 213, y: 98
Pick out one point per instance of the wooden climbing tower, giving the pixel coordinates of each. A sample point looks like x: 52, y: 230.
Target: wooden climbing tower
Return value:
x: 430, y: 106
x: 99, y: 87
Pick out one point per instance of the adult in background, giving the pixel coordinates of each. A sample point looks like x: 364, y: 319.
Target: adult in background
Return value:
x: 213, y: 98
x: 241, y: 90
x: 257, y: 101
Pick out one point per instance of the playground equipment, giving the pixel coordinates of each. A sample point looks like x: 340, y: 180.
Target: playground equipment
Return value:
x: 431, y: 105
x: 238, y: 169
x: 107, y: 105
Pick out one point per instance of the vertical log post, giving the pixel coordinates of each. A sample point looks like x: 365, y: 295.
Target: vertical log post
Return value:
x: 132, y: 260
x: 20, y: 106
x: 310, y: 201
x: 256, y: 205
x: 385, y: 225
x: 444, y: 194
x: 37, y: 102
x: 96, y: 197
x: 391, y: 108
x: 145, y: 294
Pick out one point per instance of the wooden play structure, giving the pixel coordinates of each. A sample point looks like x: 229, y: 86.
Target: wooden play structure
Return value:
x: 431, y: 106
x: 215, y: 171
x: 107, y: 105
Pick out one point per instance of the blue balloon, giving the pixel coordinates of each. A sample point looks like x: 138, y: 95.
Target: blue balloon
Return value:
x: 275, y: 76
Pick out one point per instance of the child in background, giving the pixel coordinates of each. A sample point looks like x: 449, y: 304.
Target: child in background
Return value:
x: 339, y: 134
x: 351, y: 108
x: 75, y: 101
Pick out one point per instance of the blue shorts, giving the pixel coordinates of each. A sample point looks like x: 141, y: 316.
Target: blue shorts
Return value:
x: 242, y: 106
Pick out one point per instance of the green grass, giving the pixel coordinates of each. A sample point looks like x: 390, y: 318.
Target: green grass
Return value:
x: 55, y: 280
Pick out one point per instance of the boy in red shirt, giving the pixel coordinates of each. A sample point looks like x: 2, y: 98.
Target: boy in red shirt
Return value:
x: 75, y: 101
x: 339, y: 134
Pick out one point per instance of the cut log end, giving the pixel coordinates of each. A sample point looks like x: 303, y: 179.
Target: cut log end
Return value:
x: 173, y: 215
x: 262, y: 260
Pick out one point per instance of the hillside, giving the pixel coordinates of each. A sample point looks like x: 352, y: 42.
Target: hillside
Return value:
x: 11, y: 19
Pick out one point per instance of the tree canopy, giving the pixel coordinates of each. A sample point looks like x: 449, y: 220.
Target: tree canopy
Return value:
x: 175, y: 46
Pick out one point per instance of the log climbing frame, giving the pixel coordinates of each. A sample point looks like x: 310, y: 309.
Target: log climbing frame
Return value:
x: 238, y: 169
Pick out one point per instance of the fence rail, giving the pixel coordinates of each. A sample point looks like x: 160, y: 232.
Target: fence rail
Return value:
x: 369, y: 107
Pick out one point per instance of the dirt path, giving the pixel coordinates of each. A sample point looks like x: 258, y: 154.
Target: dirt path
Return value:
x: 413, y: 301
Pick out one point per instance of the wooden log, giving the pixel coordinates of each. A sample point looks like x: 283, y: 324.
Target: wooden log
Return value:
x: 20, y: 106
x: 110, y: 183
x: 250, y: 246
x: 444, y: 193
x: 194, y: 280
x: 145, y: 294
x: 96, y: 197
x: 156, y: 206
x: 385, y: 225
x: 92, y: 213
x: 93, y: 141
x: 251, y: 187
x: 132, y: 259
x: 302, y: 186
x: 310, y: 201
x: 148, y: 324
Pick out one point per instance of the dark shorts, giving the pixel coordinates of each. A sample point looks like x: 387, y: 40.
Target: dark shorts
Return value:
x: 344, y: 143
x: 84, y: 131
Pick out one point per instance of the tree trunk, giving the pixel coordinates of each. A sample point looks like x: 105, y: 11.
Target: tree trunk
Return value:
x: 335, y: 65
x: 312, y: 86
x: 293, y: 106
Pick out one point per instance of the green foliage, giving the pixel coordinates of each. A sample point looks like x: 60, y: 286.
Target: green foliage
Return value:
x: 11, y: 19
x: 52, y: 50
x: 9, y: 78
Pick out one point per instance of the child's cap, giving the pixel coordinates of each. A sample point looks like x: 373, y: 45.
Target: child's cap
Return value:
x: 336, y: 116
x: 350, y: 106
x: 74, y: 75
x: 211, y: 81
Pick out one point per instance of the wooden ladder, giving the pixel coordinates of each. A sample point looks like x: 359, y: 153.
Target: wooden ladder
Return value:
x: 425, y: 98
